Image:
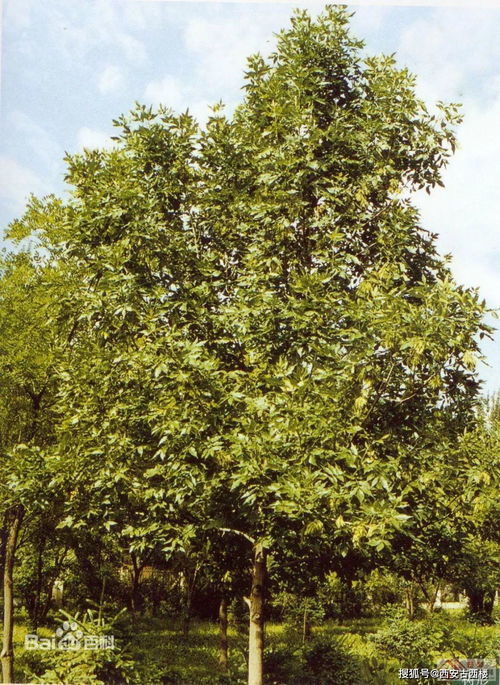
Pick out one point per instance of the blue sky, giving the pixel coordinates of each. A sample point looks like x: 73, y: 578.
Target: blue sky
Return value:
x: 71, y: 66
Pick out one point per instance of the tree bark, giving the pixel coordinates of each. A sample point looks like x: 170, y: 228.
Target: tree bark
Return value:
x: 188, y: 584
x: 430, y: 595
x: 256, y: 604
x: 35, y: 618
x: 410, y: 601
x: 481, y: 602
x: 435, y: 594
x: 489, y: 602
x: 306, y: 627
x: 136, y: 596
x: 223, y: 645
x: 14, y: 521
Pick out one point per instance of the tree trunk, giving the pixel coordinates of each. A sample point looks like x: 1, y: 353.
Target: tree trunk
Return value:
x: 35, y: 618
x: 14, y: 521
x: 481, y: 602
x: 136, y: 597
x: 489, y: 602
x: 476, y: 601
x: 256, y: 604
x: 306, y: 627
x: 188, y: 584
x: 223, y: 653
x: 410, y: 601
x: 431, y: 596
x: 186, y: 609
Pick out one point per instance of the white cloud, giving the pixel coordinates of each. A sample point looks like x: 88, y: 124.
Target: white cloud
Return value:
x: 134, y: 50
x: 80, y: 30
x: 455, y: 53
x: 371, y: 19
x: 133, y: 13
x: 111, y: 80
x: 452, y: 53
x: 466, y: 213
x: 166, y: 91
x: 38, y: 139
x: 17, y: 182
x: 18, y: 13
x: 221, y: 46
x: 450, y: 50
x: 93, y: 138
x: 138, y: 15
x: 201, y: 110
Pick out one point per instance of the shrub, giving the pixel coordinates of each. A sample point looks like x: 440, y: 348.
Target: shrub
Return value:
x: 323, y: 661
x: 382, y: 589
x: 477, y: 642
x: 82, y: 666
x: 341, y: 599
x: 294, y: 609
x: 412, y: 643
x: 238, y: 615
x: 281, y: 666
x: 329, y: 661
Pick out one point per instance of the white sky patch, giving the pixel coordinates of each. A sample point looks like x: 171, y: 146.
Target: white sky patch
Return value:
x: 352, y: 3
x: 83, y: 30
x: 135, y: 50
x: 111, y: 80
x: 138, y: 15
x: 40, y: 142
x: 105, y: 25
x: 221, y: 47
x: 451, y: 54
x: 93, y: 139
x: 166, y: 91
x: 466, y: 213
x: 371, y: 19
x: 201, y: 110
x: 447, y: 49
x: 18, y: 14
x: 170, y: 92
x: 17, y: 183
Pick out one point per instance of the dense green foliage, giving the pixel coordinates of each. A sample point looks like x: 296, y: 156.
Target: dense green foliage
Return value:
x: 240, y: 333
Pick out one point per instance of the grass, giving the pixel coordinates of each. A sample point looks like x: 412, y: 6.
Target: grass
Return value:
x: 193, y: 657
x: 162, y: 654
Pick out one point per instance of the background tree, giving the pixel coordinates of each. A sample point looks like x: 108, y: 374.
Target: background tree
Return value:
x: 29, y: 346
x: 476, y: 569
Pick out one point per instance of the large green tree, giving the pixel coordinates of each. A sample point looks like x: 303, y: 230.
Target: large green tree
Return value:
x: 350, y: 347
x: 260, y: 318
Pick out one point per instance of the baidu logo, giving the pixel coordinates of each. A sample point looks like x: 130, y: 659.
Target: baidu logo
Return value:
x: 69, y: 636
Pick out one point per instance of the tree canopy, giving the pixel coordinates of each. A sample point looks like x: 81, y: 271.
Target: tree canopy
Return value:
x: 264, y: 341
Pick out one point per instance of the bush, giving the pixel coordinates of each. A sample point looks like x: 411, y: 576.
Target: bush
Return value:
x: 476, y: 642
x: 238, y: 615
x: 412, y: 643
x: 294, y: 608
x: 77, y: 665
x: 324, y: 661
x: 281, y: 666
x: 382, y: 589
x: 341, y: 599
x: 329, y: 661
x: 480, y: 618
